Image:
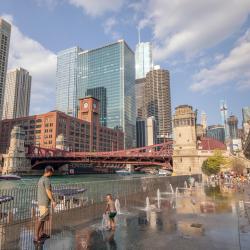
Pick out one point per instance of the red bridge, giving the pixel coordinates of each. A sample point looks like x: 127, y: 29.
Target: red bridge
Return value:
x: 155, y: 155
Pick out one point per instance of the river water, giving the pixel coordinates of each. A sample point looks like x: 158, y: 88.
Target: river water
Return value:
x: 65, y: 179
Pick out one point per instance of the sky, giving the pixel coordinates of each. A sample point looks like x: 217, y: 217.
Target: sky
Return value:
x: 204, y: 44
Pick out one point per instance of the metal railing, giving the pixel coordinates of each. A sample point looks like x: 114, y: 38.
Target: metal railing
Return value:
x: 23, y: 205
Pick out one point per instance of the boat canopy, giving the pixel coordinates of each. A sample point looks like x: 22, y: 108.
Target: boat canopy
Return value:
x: 6, y: 198
x: 69, y: 191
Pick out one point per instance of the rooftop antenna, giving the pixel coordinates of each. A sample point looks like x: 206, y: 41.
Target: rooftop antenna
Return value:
x: 139, y: 34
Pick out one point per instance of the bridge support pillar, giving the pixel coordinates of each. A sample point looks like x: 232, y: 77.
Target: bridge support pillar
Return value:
x: 130, y: 168
x: 15, y: 160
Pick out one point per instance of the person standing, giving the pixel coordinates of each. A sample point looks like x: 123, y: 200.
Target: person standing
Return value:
x: 45, y: 199
x: 111, y: 210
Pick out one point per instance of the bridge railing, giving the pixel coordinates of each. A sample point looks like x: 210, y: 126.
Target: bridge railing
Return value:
x: 158, y: 150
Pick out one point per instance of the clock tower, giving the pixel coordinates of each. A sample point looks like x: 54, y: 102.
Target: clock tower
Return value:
x: 89, y: 109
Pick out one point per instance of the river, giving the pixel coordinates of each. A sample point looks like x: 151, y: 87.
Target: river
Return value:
x: 64, y: 179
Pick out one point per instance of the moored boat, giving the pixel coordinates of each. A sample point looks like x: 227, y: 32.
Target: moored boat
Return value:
x: 10, y: 177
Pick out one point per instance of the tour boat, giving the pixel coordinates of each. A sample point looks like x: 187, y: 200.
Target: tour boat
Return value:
x: 164, y: 172
x: 123, y: 172
x: 10, y: 177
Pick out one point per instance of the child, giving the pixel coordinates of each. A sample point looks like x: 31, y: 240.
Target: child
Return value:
x: 111, y: 210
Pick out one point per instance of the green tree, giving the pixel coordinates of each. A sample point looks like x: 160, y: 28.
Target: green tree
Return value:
x: 238, y: 166
x: 213, y: 163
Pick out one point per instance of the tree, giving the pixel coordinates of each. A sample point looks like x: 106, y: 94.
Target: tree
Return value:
x: 238, y: 166
x: 213, y: 163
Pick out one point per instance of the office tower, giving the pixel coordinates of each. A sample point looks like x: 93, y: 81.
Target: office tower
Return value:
x: 216, y: 132
x: 17, y: 94
x: 246, y: 121
x: 143, y: 59
x: 66, y: 81
x: 5, y: 30
x: 223, y: 112
x: 139, y: 97
x: 157, y: 101
x: 204, y: 120
x: 232, y: 122
x: 111, y: 67
x: 145, y: 132
x: 246, y: 114
x: 100, y: 93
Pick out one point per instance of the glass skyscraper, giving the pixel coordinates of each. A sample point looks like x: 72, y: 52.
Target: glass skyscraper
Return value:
x: 111, y: 67
x: 66, y: 81
x: 143, y: 59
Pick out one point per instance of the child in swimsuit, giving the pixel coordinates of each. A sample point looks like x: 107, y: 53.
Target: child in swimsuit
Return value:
x: 111, y: 210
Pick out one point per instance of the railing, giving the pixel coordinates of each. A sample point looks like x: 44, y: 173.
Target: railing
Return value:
x: 23, y: 206
x: 19, y: 216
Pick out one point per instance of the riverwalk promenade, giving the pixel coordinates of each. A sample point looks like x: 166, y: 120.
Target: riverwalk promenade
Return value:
x: 153, y: 213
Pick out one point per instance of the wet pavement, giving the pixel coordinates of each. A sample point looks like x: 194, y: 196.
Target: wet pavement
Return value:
x: 201, y: 218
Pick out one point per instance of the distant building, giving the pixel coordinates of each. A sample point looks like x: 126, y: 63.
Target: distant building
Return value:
x: 204, y: 120
x: 145, y: 132
x: 157, y: 102
x: 66, y: 81
x: 232, y: 122
x: 17, y: 94
x: 140, y: 97
x: 143, y: 59
x: 200, y: 130
x: 111, y: 67
x: 223, y: 112
x: 246, y: 114
x: 5, y: 31
x: 216, y: 132
x: 81, y: 134
x: 246, y: 121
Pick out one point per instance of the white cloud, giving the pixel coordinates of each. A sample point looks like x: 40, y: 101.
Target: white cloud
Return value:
x: 109, y: 25
x: 233, y: 68
x: 39, y: 61
x: 189, y: 26
x: 97, y: 7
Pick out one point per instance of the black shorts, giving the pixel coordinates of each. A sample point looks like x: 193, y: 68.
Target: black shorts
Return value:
x: 112, y: 215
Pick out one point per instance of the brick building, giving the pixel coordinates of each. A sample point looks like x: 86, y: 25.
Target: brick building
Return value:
x: 81, y: 134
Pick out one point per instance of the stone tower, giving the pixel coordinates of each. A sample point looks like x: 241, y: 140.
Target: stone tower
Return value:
x: 15, y: 160
x: 185, y: 142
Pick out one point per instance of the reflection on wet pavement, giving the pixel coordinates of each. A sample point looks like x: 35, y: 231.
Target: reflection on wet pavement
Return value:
x: 208, y: 218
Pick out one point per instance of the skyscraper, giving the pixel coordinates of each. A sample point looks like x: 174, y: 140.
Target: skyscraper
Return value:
x: 143, y: 59
x: 232, y: 122
x: 204, y: 120
x: 111, y: 67
x: 5, y: 30
x: 246, y: 114
x: 100, y: 93
x: 139, y: 97
x: 17, y: 94
x: 158, y: 101
x: 66, y: 81
x: 223, y: 112
x: 145, y: 132
x: 246, y: 121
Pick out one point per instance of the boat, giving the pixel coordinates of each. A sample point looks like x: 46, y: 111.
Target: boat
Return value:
x: 164, y: 172
x: 123, y: 172
x: 10, y: 177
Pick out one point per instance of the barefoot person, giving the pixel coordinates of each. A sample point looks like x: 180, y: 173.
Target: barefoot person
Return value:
x: 111, y: 210
x: 44, y: 198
